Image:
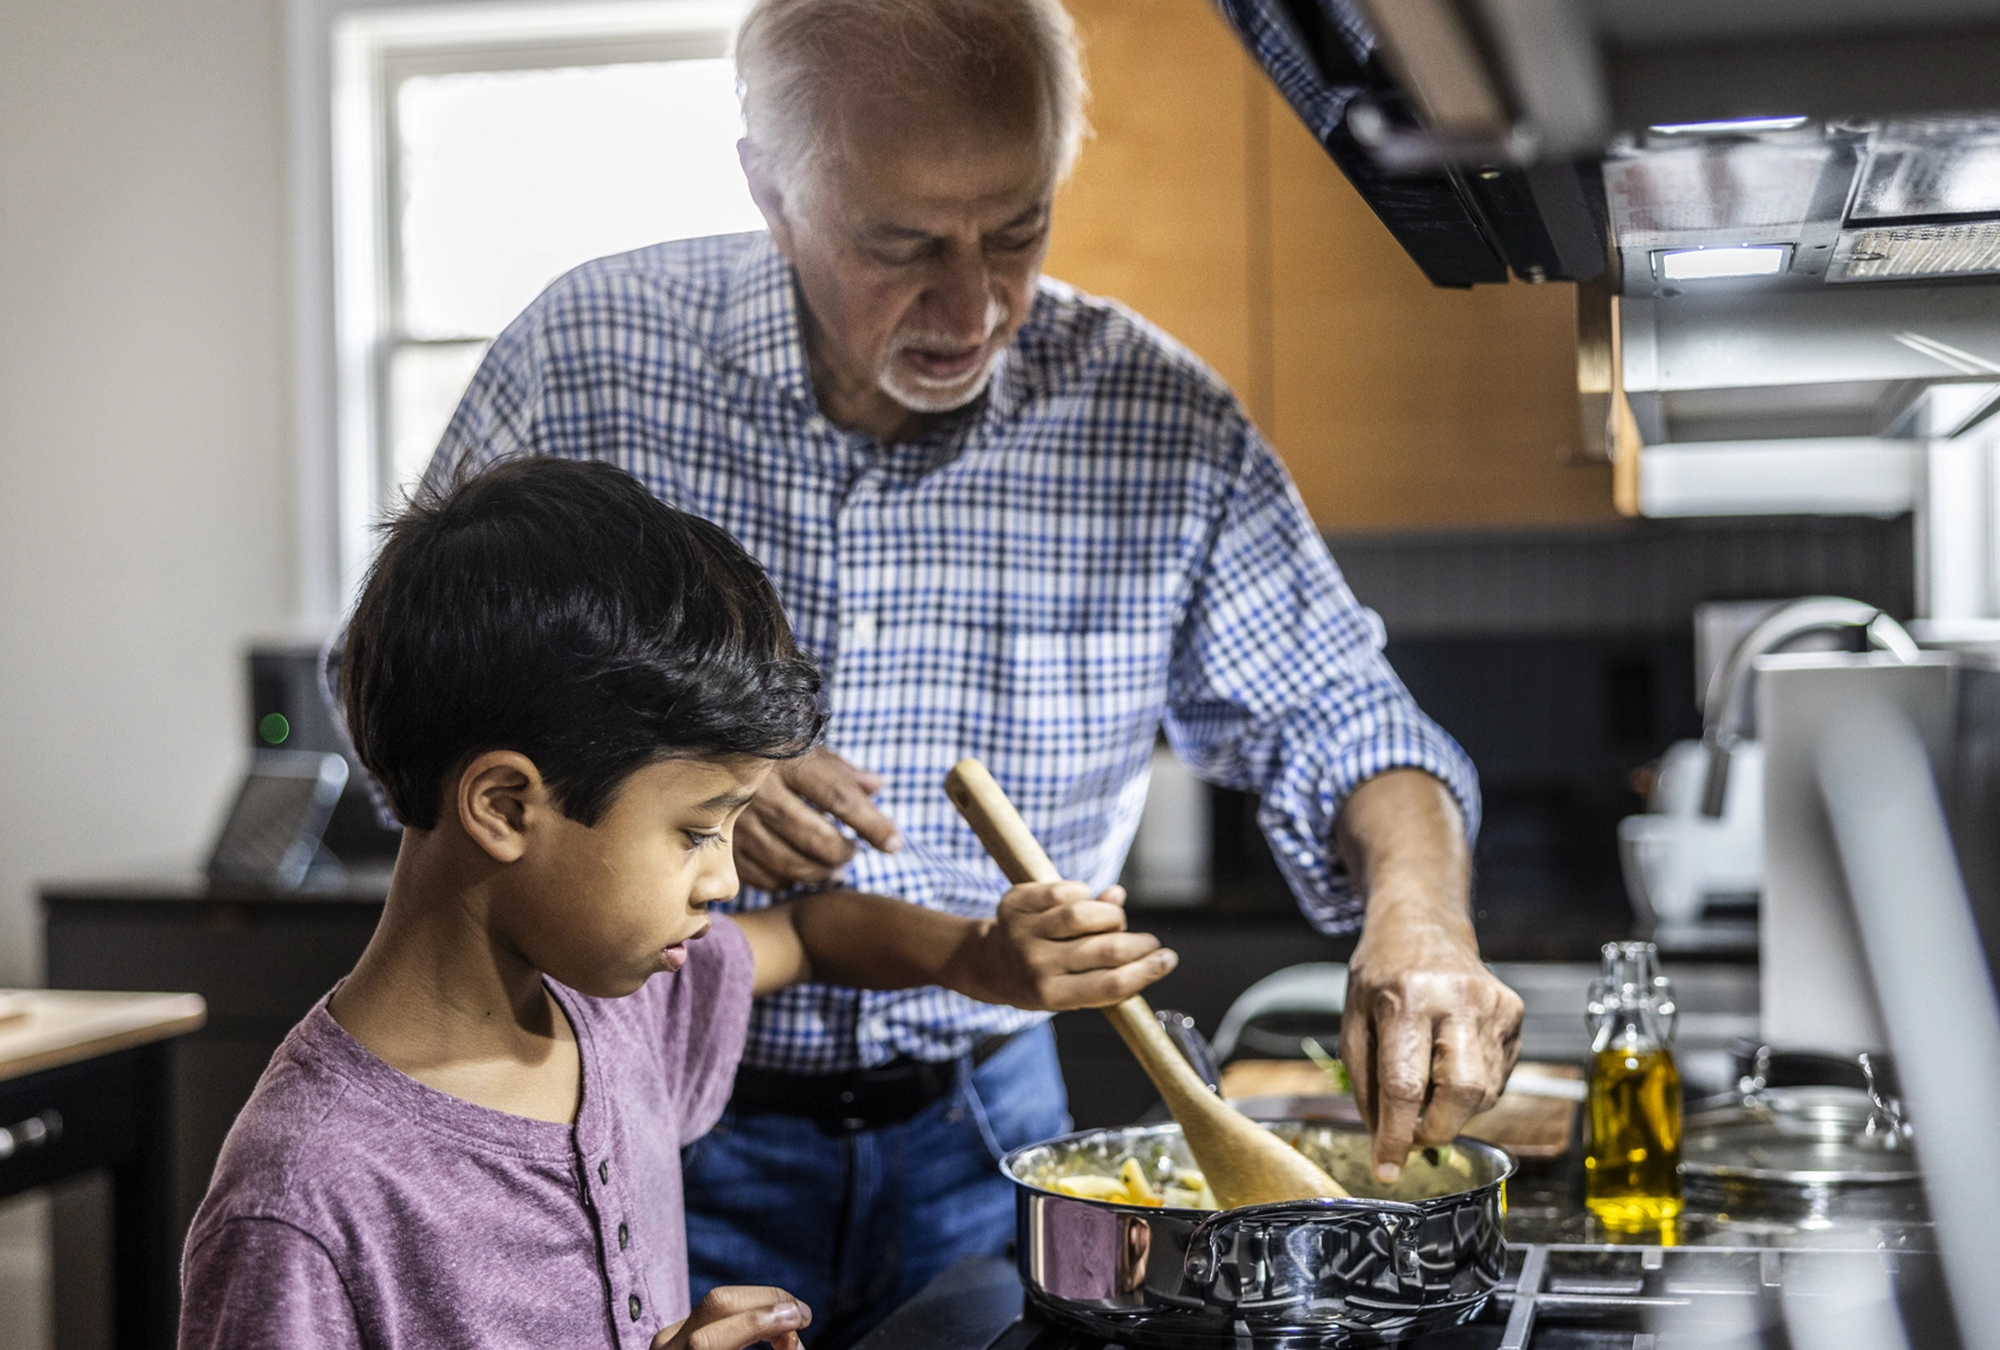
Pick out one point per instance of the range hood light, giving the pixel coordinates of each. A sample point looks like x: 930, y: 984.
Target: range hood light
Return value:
x: 1741, y: 126
x: 1706, y: 264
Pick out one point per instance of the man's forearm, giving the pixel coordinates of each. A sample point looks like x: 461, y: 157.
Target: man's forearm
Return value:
x: 1428, y: 1033
x: 1402, y: 838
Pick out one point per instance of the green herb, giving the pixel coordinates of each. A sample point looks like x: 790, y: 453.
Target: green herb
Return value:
x: 1336, y: 1072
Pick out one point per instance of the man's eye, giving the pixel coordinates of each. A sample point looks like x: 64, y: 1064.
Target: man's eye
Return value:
x: 902, y: 255
x: 1015, y: 243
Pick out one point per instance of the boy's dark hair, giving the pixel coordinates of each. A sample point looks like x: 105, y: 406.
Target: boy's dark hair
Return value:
x: 556, y: 608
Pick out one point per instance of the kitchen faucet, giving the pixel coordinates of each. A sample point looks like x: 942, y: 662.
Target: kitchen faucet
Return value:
x: 1726, y: 711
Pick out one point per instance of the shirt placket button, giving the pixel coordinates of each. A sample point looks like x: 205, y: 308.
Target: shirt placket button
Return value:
x: 633, y: 1306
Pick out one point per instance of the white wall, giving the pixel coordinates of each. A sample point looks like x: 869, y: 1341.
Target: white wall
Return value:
x: 146, y: 512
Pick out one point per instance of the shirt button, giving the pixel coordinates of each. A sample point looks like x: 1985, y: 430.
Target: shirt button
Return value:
x: 624, y: 1237
x: 864, y: 629
x: 632, y: 1306
x: 604, y: 1170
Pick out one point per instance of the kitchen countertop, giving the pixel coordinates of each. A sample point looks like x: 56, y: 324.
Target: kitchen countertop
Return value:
x: 46, y: 1028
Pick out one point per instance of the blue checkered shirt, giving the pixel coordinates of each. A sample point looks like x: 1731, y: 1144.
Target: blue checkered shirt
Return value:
x: 1101, y: 545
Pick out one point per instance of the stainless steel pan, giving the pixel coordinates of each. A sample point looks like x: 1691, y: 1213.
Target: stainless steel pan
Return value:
x: 1387, y: 1263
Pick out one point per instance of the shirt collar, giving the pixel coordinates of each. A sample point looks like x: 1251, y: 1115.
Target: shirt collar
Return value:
x: 761, y: 330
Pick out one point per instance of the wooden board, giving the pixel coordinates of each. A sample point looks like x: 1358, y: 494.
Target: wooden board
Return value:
x: 63, y: 1026
x: 1527, y: 1124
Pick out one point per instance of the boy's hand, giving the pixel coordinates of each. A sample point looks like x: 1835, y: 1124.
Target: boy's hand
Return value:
x: 737, y: 1315
x: 1051, y: 947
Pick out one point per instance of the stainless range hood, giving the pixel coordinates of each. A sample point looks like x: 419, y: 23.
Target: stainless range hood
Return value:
x: 1850, y: 140
x: 1785, y: 213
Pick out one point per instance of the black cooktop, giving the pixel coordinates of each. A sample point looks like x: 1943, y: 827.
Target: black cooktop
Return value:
x: 1555, y: 1297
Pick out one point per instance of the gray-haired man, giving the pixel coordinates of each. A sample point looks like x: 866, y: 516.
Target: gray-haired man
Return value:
x: 1010, y: 521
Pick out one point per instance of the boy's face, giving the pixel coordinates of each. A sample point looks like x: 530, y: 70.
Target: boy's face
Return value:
x: 603, y: 908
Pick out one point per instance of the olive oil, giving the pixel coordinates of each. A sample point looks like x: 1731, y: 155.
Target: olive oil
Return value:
x: 1632, y: 1165
x: 1632, y: 1157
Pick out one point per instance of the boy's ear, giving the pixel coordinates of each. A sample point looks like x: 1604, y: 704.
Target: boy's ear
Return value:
x: 498, y: 793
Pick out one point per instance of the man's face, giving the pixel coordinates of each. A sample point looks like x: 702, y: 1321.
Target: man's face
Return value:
x: 603, y: 908
x: 917, y: 253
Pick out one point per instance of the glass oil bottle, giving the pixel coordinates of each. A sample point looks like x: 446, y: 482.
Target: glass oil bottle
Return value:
x: 1632, y: 1161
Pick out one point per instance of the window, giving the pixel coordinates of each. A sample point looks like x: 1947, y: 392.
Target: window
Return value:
x: 479, y: 152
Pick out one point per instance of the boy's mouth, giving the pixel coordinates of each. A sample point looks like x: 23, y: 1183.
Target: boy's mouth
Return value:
x: 674, y: 957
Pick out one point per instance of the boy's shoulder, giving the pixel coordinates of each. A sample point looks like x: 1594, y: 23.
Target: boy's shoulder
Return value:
x: 308, y: 1133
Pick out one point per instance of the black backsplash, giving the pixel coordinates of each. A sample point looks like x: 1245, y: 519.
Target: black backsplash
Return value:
x: 1563, y: 661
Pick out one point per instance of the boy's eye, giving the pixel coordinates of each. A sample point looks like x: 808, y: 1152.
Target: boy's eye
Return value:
x: 703, y: 838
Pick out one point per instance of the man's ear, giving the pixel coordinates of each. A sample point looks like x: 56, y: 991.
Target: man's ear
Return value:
x: 500, y: 795
x: 764, y: 191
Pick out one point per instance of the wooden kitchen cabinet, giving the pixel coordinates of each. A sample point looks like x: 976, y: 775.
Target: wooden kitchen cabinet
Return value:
x: 1204, y: 204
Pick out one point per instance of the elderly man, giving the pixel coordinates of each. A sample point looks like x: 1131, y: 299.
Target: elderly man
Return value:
x: 1011, y: 521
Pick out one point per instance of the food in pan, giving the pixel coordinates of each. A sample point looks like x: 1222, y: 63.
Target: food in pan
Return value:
x: 1185, y: 1188
x: 1151, y: 1168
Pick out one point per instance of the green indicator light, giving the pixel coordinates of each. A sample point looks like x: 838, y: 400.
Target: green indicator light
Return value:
x: 274, y: 728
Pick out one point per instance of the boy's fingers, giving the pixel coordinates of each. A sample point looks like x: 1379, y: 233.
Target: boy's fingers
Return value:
x: 1043, y: 897
x: 1102, y: 988
x: 740, y: 1330
x: 1107, y: 951
x: 734, y: 1316
x: 1076, y: 919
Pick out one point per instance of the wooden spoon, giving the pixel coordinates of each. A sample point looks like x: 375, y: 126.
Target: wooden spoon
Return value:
x: 1244, y: 1163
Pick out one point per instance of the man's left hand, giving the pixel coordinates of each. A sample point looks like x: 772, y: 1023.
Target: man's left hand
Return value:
x: 1428, y: 1034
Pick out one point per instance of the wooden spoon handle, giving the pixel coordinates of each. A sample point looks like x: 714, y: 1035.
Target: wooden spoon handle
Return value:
x: 1013, y: 845
x: 1244, y: 1163
x: 999, y: 826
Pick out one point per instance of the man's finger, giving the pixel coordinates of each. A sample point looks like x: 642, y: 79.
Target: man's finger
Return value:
x: 789, y: 817
x: 766, y: 861
x: 1402, y: 1076
x: 1357, y: 1052
x: 1462, y: 1083
x: 843, y: 791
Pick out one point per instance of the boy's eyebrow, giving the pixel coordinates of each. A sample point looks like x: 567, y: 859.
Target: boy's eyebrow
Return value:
x: 727, y: 801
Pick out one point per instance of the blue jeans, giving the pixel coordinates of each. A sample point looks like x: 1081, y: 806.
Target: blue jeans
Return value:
x: 856, y: 1224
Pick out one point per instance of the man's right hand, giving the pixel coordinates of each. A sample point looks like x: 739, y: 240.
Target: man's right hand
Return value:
x: 734, y: 1316
x: 784, y: 839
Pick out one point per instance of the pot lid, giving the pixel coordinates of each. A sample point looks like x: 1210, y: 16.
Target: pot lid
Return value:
x: 1802, y: 1136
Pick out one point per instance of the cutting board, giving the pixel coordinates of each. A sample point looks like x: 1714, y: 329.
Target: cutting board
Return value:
x: 1526, y: 1122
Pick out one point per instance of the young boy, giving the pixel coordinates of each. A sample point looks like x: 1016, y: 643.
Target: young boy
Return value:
x: 568, y: 692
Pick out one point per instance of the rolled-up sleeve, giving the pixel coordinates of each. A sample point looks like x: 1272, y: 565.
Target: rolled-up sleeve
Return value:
x: 1279, y: 686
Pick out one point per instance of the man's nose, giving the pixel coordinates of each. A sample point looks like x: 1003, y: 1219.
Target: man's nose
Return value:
x: 962, y: 298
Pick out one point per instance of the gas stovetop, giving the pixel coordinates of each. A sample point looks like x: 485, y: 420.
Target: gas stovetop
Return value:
x: 1556, y: 1297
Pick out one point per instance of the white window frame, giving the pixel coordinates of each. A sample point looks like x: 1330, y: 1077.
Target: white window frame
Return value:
x: 345, y: 59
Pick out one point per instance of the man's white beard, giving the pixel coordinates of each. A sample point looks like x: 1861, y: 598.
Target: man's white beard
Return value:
x: 936, y: 396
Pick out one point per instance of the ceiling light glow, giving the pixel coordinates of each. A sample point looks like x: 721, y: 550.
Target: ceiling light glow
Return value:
x: 1706, y: 264
x: 1740, y: 126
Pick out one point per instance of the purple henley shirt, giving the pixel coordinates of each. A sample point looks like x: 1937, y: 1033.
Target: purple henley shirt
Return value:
x: 352, y: 1206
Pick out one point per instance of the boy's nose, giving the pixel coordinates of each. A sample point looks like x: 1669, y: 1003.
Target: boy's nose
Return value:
x: 718, y: 880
